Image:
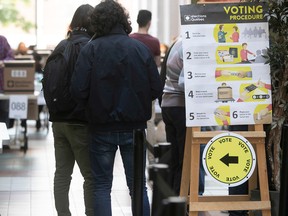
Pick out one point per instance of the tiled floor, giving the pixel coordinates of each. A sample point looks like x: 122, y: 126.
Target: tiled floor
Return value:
x: 26, y: 181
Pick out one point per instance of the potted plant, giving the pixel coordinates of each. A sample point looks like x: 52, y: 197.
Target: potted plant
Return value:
x: 278, y: 59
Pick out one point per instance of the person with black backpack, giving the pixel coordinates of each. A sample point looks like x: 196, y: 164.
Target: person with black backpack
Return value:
x: 68, y: 119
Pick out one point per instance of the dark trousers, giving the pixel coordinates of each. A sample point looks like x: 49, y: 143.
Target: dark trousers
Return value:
x: 4, y: 112
x: 175, y: 127
x: 241, y: 189
x: 71, y: 145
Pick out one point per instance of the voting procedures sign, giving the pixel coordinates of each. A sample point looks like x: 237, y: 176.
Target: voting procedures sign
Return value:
x: 226, y: 79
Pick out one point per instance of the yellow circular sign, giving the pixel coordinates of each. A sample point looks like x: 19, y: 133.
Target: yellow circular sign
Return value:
x: 229, y: 158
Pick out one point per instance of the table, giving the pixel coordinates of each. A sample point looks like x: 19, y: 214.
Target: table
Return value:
x: 32, y: 97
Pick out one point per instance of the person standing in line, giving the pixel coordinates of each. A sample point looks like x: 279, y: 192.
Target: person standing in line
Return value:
x: 6, y: 53
x: 70, y: 129
x: 116, y: 78
x: 174, y: 116
x: 144, y: 22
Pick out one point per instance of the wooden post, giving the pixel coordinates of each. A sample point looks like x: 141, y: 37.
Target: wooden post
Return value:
x: 190, y: 175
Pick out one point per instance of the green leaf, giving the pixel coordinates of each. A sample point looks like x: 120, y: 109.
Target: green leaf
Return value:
x: 9, y: 15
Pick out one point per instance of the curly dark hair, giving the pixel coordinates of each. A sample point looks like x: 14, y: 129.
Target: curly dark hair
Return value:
x: 107, y: 15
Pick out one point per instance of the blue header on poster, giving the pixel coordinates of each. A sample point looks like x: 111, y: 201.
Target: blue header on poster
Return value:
x: 223, y: 13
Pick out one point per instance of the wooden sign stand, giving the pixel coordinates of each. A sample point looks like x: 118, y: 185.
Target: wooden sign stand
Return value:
x: 190, y: 174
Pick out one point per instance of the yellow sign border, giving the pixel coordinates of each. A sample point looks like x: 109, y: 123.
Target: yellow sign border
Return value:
x: 223, y: 161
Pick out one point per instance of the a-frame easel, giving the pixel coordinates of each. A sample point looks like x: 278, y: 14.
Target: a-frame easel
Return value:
x: 190, y: 174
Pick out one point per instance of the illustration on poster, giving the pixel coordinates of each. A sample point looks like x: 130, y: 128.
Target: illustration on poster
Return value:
x: 239, y: 33
x: 226, y: 73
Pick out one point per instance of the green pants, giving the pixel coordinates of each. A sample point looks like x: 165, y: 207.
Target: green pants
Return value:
x: 71, y: 144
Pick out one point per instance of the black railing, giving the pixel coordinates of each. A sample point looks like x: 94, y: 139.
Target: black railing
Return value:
x: 283, y: 205
x: 164, y: 201
x: 137, y: 200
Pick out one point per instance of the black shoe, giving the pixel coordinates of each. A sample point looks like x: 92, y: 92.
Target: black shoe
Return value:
x: 11, y: 123
x: 38, y: 125
x: 23, y: 123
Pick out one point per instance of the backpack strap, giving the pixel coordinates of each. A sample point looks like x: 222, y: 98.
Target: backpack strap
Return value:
x: 79, y: 39
x: 69, y: 45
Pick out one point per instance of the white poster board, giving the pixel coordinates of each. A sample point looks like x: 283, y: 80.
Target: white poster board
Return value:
x: 226, y: 79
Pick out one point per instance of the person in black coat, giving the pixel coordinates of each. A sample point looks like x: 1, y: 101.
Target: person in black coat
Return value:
x: 116, y: 79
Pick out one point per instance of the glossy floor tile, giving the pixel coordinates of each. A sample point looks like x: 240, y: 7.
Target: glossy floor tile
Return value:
x: 26, y: 181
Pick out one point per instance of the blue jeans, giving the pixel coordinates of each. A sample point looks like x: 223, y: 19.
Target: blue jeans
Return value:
x: 103, y: 147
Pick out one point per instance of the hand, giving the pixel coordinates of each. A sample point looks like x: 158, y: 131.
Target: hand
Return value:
x: 1, y: 64
x: 225, y: 73
x: 221, y: 117
x: 260, y: 84
x: 241, y: 74
x: 219, y: 113
x: 244, y: 95
x: 263, y: 112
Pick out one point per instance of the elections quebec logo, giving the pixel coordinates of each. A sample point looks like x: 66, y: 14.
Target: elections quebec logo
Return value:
x: 194, y: 18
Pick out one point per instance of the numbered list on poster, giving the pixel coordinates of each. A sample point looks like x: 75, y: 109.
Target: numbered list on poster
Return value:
x: 226, y: 79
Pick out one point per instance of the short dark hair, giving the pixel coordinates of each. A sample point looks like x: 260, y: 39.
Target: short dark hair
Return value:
x: 107, y: 15
x: 81, y: 18
x: 144, y: 16
x: 236, y: 28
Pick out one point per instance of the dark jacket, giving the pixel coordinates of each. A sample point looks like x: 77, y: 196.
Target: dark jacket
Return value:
x: 77, y: 112
x: 116, y: 78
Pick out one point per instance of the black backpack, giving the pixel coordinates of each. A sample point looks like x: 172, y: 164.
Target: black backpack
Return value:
x: 57, y: 76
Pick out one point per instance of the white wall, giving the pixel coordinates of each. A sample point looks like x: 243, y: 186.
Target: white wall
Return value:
x: 54, y: 16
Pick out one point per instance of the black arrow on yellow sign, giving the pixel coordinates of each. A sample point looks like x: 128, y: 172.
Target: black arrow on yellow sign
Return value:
x: 229, y: 159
